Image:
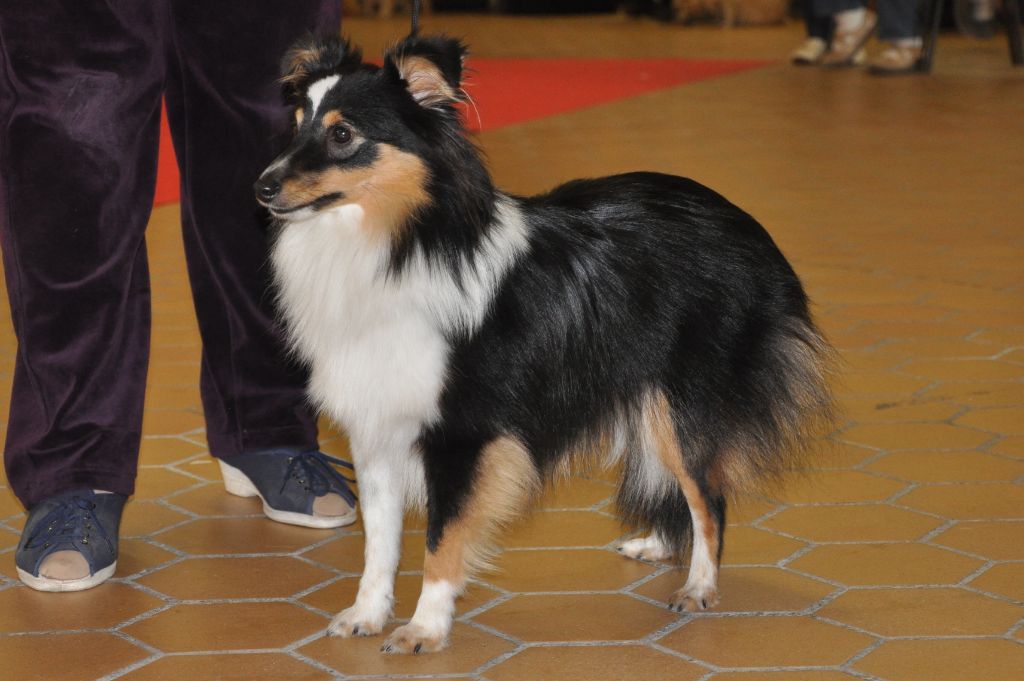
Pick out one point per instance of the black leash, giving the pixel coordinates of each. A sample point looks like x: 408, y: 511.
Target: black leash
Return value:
x: 415, y: 18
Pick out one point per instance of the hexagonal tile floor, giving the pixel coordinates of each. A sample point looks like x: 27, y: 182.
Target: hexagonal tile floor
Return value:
x: 899, y: 557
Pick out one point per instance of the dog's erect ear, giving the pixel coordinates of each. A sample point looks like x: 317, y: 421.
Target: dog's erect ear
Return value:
x: 313, y: 58
x: 431, y: 68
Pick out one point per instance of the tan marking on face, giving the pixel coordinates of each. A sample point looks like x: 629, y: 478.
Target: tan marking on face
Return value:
x: 331, y: 118
x: 388, y: 191
x: 425, y: 81
x: 659, y: 416
x: 506, y: 481
x: 300, y: 114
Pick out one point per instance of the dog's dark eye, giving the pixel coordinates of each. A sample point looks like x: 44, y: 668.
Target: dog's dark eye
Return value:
x: 341, y: 134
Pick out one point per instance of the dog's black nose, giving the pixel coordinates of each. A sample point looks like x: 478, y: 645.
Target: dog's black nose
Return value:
x: 267, y: 189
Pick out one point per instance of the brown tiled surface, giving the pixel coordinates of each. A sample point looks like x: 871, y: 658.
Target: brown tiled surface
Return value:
x: 760, y: 641
x: 899, y: 557
x: 587, y: 663
x: 407, y: 590
x: 223, y: 667
x: 945, y: 660
x: 255, y: 577
x: 67, y: 657
x: 227, y: 626
x: 105, y: 607
x: 576, y: 617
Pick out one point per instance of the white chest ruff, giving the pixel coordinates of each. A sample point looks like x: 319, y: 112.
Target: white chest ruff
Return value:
x: 377, y: 344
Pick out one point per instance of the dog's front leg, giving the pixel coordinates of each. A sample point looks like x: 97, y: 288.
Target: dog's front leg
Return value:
x: 500, y: 478
x: 382, y: 489
x: 427, y: 631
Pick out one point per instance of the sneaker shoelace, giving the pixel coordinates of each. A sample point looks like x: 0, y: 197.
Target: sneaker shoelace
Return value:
x: 313, y: 470
x: 72, y: 520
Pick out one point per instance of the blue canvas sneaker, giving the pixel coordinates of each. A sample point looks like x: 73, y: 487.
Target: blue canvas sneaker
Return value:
x: 70, y: 541
x: 298, y: 488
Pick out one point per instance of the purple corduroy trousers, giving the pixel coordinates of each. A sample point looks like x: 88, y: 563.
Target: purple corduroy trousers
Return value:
x: 80, y: 88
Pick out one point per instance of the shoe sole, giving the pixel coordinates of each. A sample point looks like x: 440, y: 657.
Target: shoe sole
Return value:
x: 62, y: 585
x: 916, y: 67
x: 238, y: 483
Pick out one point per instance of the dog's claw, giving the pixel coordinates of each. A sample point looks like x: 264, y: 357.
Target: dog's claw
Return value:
x: 690, y: 599
x: 413, y: 639
x: 352, y: 622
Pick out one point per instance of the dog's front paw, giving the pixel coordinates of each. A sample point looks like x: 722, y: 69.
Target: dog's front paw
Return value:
x: 412, y: 638
x: 645, y: 548
x: 694, y: 598
x: 356, y: 621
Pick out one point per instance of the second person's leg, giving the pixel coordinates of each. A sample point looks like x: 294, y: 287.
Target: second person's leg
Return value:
x: 228, y: 123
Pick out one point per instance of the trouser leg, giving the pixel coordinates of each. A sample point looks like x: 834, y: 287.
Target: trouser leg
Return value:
x: 228, y: 123
x: 897, y: 19
x: 818, y: 26
x: 828, y: 8
x: 79, y: 113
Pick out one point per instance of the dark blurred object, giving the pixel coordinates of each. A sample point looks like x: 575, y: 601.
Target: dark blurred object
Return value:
x: 383, y: 8
x: 975, y: 18
x: 528, y: 6
x: 662, y: 10
x: 1010, y: 14
x: 560, y: 6
x: 463, y: 5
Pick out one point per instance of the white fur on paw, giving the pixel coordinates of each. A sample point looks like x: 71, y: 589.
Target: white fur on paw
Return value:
x: 694, y: 598
x: 412, y: 638
x: 645, y: 548
x: 356, y: 622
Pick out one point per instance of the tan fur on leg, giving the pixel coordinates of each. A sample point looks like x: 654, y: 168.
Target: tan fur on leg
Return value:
x: 701, y: 589
x: 506, y: 480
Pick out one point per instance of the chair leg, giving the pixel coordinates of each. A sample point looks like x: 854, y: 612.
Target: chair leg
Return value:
x: 931, y: 35
x: 1011, y: 11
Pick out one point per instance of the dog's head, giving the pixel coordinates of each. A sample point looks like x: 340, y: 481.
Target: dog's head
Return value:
x: 364, y: 133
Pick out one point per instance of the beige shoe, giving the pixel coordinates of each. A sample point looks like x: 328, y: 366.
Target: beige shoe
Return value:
x: 809, y: 52
x: 896, y: 60
x: 846, y: 44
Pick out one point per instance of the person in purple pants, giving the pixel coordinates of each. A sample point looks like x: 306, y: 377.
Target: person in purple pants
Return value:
x: 81, y: 83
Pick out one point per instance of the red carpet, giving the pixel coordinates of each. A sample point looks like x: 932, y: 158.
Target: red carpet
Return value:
x: 508, y: 91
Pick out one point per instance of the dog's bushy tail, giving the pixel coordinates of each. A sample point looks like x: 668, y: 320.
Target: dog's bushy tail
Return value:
x: 743, y: 436
x: 788, y: 408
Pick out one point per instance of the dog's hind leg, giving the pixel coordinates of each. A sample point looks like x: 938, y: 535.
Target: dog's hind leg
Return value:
x: 707, y: 512
x: 388, y: 473
x: 700, y: 591
x: 466, y: 508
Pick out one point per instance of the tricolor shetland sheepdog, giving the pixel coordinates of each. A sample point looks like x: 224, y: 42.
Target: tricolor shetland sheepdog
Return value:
x: 473, y: 343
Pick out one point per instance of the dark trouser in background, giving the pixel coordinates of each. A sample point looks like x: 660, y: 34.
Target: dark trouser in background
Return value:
x: 828, y: 8
x: 818, y: 26
x: 80, y: 89
x: 896, y: 18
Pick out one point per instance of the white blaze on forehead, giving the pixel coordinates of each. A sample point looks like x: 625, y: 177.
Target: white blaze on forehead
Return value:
x: 317, y: 90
